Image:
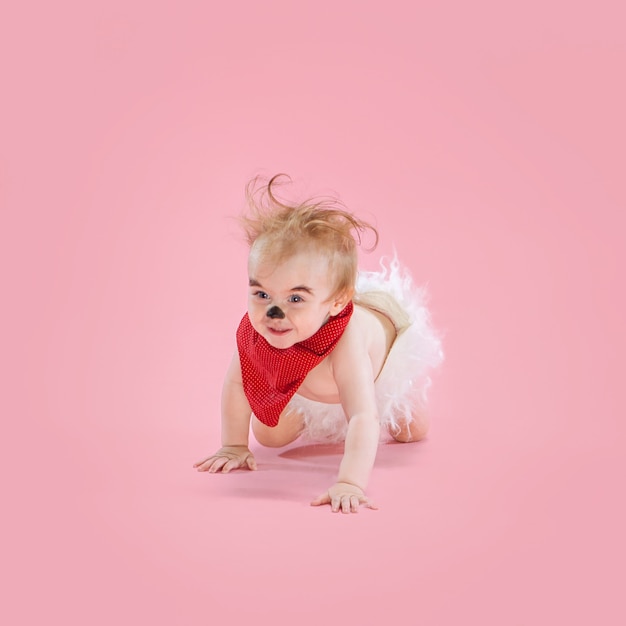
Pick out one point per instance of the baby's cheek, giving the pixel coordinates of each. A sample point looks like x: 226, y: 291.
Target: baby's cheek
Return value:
x: 254, y: 320
x: 253, y: 308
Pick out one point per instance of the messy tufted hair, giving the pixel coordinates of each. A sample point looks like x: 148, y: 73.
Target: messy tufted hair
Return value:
x: 277, y: 230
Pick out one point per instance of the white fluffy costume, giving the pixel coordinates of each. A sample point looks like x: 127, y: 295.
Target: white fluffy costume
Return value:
x: 402, y: 384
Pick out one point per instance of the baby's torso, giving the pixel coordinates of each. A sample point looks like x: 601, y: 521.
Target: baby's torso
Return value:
x: 377, y: 331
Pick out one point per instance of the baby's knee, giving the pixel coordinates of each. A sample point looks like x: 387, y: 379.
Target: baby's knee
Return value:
x: 268, y: 440
x: 276, y: 437
x: 266, y: 437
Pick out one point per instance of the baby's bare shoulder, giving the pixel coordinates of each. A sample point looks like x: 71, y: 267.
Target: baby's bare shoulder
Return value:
x: 365, y: 333
x: 371, y: 324
x: 369, y: 334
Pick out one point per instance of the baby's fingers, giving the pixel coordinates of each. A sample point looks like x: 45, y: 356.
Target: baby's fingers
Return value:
x: 231, y: 464
x: 366, y: 503
x: 218, y: 464
x: 349, y: 503
x: 346, y: 504
x: 323, y: 499
x: 203, y: 466
x: 202, y: 462
x: 335, y: 504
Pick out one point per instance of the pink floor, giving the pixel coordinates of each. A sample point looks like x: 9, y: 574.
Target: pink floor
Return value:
x: 487, y: 144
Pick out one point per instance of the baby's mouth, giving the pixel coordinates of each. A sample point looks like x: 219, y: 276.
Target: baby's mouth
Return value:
x: 278, y: 331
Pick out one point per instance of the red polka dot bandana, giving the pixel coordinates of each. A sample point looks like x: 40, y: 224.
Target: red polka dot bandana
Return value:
x: 272, y: 375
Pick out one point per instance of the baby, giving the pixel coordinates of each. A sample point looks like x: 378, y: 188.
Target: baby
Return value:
x: 323, y: 351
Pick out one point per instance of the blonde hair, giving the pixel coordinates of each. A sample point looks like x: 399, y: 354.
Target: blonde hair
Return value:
x: 282, y: 229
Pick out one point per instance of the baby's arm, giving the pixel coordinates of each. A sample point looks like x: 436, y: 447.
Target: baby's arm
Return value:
x: 352, y: 370
x: 236, y: 414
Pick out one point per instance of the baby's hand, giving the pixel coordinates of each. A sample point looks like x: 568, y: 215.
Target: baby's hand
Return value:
x: 344, y: 496
x: 226, y: 459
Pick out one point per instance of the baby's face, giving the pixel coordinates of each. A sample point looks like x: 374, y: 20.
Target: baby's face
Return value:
x: 289, y: 302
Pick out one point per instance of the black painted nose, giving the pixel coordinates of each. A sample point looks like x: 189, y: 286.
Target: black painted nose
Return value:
x: 275, y: 313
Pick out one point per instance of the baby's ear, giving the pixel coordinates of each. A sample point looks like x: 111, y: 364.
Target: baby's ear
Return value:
x: 339, y: 302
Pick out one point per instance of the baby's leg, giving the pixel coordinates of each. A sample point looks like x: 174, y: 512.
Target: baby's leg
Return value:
x: 415, y: 430
x: 289, y: 427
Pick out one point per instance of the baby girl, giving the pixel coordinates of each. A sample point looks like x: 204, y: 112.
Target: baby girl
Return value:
x: 323, y: 351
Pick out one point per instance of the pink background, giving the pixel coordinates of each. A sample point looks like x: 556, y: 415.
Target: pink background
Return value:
x: 487, y: 142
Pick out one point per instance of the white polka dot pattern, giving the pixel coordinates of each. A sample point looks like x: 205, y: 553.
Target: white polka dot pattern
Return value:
x: 272, y: 375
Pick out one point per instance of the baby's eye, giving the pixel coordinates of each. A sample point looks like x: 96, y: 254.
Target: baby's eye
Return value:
x: 295, y: 298
x: 261, y: 294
